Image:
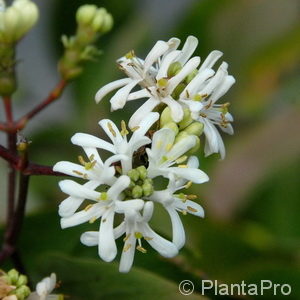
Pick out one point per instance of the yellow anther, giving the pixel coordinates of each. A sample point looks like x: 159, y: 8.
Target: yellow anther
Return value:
x: 184, y: 212
x: 103, y: 196
x: 191, y: 197
x: 181, y: 159
x: 192, y: 209
x: 91, y: 158
x: 130, y: 54
x: 148, y: 238
x: 182, y: 166
x: 126, y: 237
x: 138, y: 235
x: 88, y: 207
x: 126, y: 247
x: 118, y: 169
x: 78, y: 173
x: 135, y: 128
x: 169, y: 147
x: 189, y: 184
x: 90, y: 165
x: 197, y: 97
x: 141, y: 249
x: 124, y: 130
x: 85, y: 176
x: 163, y: 82
x: 110, y: 128
x: 81, y: 160
x: 203, y: 115
x: 92, y: 220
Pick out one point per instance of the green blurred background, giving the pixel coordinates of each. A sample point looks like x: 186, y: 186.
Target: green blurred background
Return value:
x: 252, y: 226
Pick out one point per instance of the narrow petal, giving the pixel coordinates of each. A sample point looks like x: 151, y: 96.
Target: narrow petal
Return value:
x: 112, y: 131
x: 119, y: 230
x: 119, y: 99
x: 110, y: 87
x: 176, y: 109
x: 107, y: 246
x: 68, y: 168
x: 210, y: 60
x: 158, y: 50
x: 177, y: 227
x: 222, y: 88
x: 75, y: 189
x: 165, y: 64
x: 138, y: 95
x: 190, y: 174
x: 142, y: 112
x: 118, y: 187
x: 182, y: 147
x: 90, y: 238
x: 135, y: 204
x: 190, y: 207
x: 189, y: 67
x: 145, y: 125
x: 127, y: 256
x: 188, y: 49
x: 160, y: 244
x: 88, y: 140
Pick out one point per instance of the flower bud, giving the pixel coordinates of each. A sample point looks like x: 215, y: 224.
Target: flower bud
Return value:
x: 22, y: 292
x: 142, y: 172
x: 178, y: 90
x: 173, y: 126
x: 85, y: 14
x: 22, y: 280
x: 186, y: 120
x: 13, y: 276
x: 11, y: 21
x: 165, y: 117
x: 195, y: 128
x: 191, y: 76
x: 108, y: 23
x: 174, y: 69
x: 195, y: 148
x: 147, y: 189
x: 134, y: 175
x: 180, y: 136
x: 29, y: 14
x: 137, y: 191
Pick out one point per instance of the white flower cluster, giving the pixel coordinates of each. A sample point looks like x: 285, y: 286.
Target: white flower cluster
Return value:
x: 122, y: 190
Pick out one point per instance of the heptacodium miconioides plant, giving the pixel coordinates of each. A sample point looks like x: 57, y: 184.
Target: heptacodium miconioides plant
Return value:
x: 165, y: 135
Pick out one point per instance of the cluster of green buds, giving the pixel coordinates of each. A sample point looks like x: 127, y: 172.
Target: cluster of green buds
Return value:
x: 187, y: 126
x: 92, y: 22
x: 140, y: 184
x: 15, y: 21
x: 13, y: 285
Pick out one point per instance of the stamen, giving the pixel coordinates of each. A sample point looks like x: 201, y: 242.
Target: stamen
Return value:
x: 88, y: 207
x: 124, y: 130
x: 182, y: 166
x: 110, y: 128
x: 126, y: 237
x: 103, y: 196
x: 126, y: 247
x: 92, y: 220
x: 81, y: 160
x: 118, y: 169
x: 130, y: 54
x: 181, y: 159
x: 163, y: 82
x: 77, y: 172
x: 192, y: 209
x: 147, y: 238
x: 135, y: 128
x: 191, y: 197
x: 141, y: 249
x: 189, y: 184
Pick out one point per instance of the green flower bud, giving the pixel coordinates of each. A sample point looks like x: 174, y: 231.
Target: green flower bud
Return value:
x: 13, y: 276
x: 180, y: 136
x: 186, y: 120
x: 174, y: 69
x: 137, y: 191
x: 85, y: 14
x: 99, y: 20
x: 133, y: 174
x: 11, y: 22
x: 22, y: 280
x: 191, y: 76
x: 108, y: 23
x: 22, y: 292
x: 195, y: 148
x: 195, y: 128
x: 178, y: 90
x: 142, y: 172
x: 148, y: 180
x: 147, y: 189
x: 173, y: 126
x: 165, y: 117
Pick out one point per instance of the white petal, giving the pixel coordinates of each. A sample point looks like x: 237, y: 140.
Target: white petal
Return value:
x: 75, y: 189
x: 68, y: 168
x: 119, y: 99
x: 83, y: 216
x: 148, y: 211
x: 189, y: 67
x: 158, y: 50
x: 228, y: 129
x: 194, y: 106
x: 145, y: 125
x: 110, y: 87
x: 190, y: 174
x: 210, y: 60
x: 222, y: 88
x: 165, y: 64
x: 176, y: 109
x: 193, y: 162
x: 90, y: 238
x: 190, y: 207
x: 182, y: 147
x: 118, y: 187
x: 119, y: 230
x: 88, y: 140
x: 127, y: 257
x: 142, y: 112
x: 161, y: 245
x: 124, y: 206
x: 107, y: 246
x: 138, y: 95
x: 71, y: 204
x: 188, y: 49
x: 112, y: 131
x: 177, y: 227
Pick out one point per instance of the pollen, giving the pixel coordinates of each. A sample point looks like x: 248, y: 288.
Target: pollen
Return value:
x: 192, y: 209
x: 192, y: 197
x: 110, y: 128
x: 124, y: 130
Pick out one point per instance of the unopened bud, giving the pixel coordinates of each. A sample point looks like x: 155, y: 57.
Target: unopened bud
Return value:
x: 142, y: 172
x: 165, y: 117
x: 13, y: 276
x: 186, y: 120
x: 174, y: 69
x: 178, y: 90
x: 195, y: 148
x: 180, y: 136
x: 29, y: 14
x: 134, y: 175
x: 147, y: 189
x: 196, y: 128
x: 137, y: 191
x: 173, y: 126
x: 85, y: 14
x: 191, y: 76
x: 22, y: 292
x: 108, y: 23
x: 99, y: 19
x: 22, y: 280
x: 11, y: 19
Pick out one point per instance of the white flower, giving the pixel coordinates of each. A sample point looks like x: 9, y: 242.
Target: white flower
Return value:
x: 152, y: 76
x: 165, y: 153
x: 44, y: 289
x: 200, y: 96
x: 135, y: 227
x: 175, y: 203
